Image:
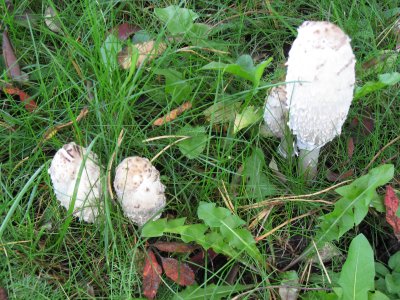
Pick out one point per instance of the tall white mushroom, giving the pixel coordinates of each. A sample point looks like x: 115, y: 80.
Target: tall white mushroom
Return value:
x: 139, y: 189
x: 320, y: 82
x: 64, y: 173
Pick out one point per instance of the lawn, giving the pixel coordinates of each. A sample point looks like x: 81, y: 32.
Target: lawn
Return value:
x: 184, y: 85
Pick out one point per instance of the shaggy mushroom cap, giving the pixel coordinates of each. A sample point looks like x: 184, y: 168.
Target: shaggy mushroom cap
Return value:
x: 139, y: 189
x: 64, y: 171
x: 320, y: 82
x: 276, y: 111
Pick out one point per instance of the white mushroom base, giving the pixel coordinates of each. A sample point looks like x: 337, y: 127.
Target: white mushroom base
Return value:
x: 308, y: 162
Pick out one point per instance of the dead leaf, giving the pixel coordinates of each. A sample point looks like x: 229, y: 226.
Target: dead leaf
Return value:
x: 179, y: 272
x: 151, y: 276
x: 333, y: 176
x: 368, y: 125
x: 125, y: 30
x: 350, y: 147
x: 392, y: 205
x: 10, y: 60
x: 174, y: 247
x: 3, y: 294
x: 149, y: 50
x: 30, y: 105
x: 173, y: 114
x: 50, y: 18
x: 199, y: 259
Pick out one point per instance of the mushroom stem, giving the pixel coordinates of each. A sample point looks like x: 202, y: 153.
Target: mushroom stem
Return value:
x: 285, y: 148
x: 308, y: 161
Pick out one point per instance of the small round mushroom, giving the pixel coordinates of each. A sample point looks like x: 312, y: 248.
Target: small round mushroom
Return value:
x: 139, y: 189
x: 64, y: 171
x: 320, y: 82
x: 276, y: 116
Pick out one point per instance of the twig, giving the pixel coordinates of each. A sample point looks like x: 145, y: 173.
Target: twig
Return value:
x: 169, y: 146
x: 156, y: 138
x: 296, y: 197
x: 321, y: 262
x: 278, y: 202
x: 173, y: 114
x: 110, y: 163
x: 259, y: 238
x: 380, y: 151
x: 226, y: 199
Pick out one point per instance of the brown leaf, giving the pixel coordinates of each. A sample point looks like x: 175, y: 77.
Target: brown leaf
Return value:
x: 3, y: 294
x: 333, y: 176
x: 149, y: 50
x: 173, y: 114
x: 198, y: 259
x: 350, y: 147
x: 392, y: 204
x: 174, y: 247
x: 10, y: 60
x: 50, y: 18
x: 151, y: 276
x: 179, y: 272
x: 368, y: 125
x: 30, y: 105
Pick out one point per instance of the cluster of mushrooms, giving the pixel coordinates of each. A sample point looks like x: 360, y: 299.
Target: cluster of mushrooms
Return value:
x: 313, y: 104
x: 317, y: 95
x: 75, y: 174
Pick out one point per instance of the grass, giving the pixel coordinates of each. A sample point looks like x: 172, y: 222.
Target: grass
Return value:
x: 46, y: 255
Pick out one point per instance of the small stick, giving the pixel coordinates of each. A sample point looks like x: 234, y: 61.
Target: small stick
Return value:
x: 321, y: 262
x: 259, y: 238
x: 110, y: 163
x: 380, y: 152
x: 168, y: 146
x: 278, y: 202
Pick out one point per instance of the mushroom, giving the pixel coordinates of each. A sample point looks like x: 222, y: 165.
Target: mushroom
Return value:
x: 64, y: 173
x: 139, y: 189
x: 320, y: 82
x: 276, y: 116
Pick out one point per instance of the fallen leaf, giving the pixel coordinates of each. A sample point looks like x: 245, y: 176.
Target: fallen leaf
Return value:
x: 179, y: 272
x: 10, y: 60
x: 368, y: 125
x: 50, y: 18
x: 3, y: 294
x: 174, y: 247
x: 199, y: 259
x: 30, y: 105
x: 247, y: 117
x: 350, y: 147
x: 392, y: 205
x: 288, y: 291
x: 173, y: 114
x: 125, y: 30
x: 149, y: 50
x: 333, y: 176
x: 151, y: 276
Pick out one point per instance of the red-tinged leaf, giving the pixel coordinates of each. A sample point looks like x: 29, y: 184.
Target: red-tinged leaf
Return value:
x: 151, y: 276
x: 3, y: 294
x: 125, y: 30
x: 350, y: 147
x: 333, y: 176
x: 368, y: 125
x: 179, y: 272
x: 174, y: 247
x: 10, y: 60
x: 197, y: 260
x: 392, y: 204
x: 30, y: 105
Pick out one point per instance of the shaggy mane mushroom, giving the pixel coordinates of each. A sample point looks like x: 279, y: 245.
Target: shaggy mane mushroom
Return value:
x: 320, y: 82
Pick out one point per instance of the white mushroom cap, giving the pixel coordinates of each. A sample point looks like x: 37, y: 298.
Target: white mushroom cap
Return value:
x: 320, y: 81
x: 64, y: 171
x: 139, y: 189
x: 276, y: 111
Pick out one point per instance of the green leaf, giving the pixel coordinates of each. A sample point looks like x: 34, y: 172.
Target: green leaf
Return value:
x: 141, y: 36
x: 394, y: 262
x: 247, y: 117
x: 244, y: 68
x: 175, y: 85
x: 377, y: 295
x: 381, y: 269
x: 194, y: 233
x: 258, y: 185
x: 212, y: 215
x: 193, y: 146
x: 393, y: 283
x: 385, y: 80
x: 351, y: 209
x: 160, y: 226
x: 109, y: 51
x: 178, y: 20
x: 211, y: 291
x: 358, y: 272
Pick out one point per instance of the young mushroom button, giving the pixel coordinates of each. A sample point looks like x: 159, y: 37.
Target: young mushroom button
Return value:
x: 139, y: 189
x: 64, y: 175
x: 320, y: 82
